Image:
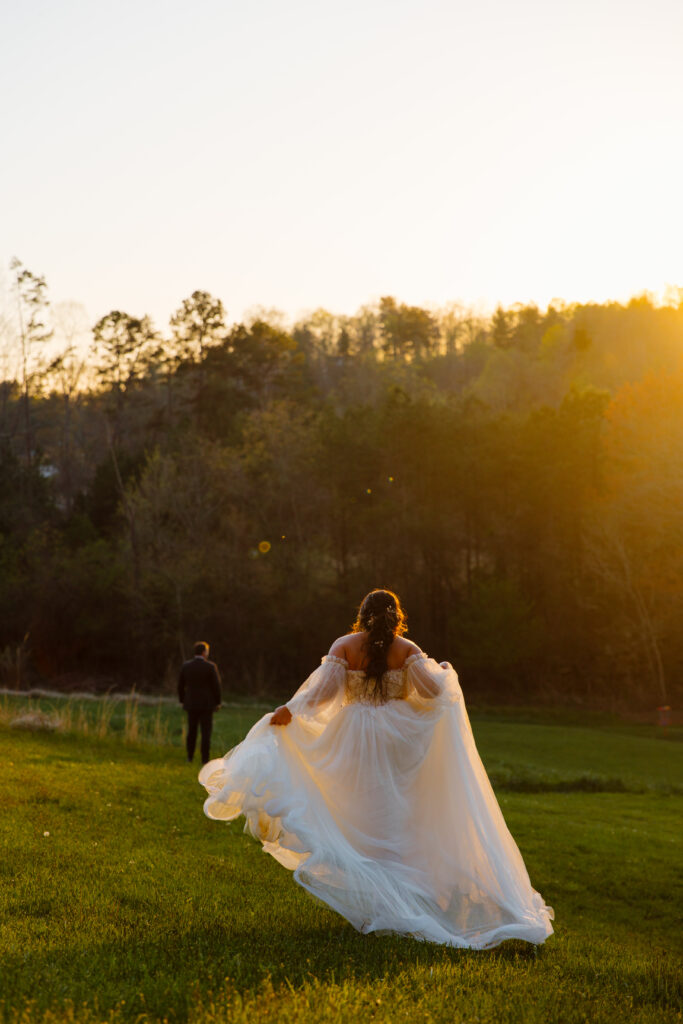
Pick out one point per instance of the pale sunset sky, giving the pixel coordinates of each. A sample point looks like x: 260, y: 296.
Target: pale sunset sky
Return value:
x: 305, y: 154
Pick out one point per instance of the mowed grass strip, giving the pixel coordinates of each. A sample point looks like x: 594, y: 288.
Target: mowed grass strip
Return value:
x: 135, y: 906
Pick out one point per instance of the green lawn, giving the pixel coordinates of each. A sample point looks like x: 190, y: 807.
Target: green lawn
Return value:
x: 136, y: 907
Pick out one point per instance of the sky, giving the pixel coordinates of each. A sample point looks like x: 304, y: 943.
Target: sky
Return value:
x: 319, y: 153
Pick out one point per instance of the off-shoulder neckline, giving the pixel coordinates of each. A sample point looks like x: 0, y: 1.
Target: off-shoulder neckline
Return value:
x: 333, y: 659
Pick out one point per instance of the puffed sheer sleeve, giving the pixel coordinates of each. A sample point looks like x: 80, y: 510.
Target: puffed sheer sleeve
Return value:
x: 430, y: 683
x: 321, y: 695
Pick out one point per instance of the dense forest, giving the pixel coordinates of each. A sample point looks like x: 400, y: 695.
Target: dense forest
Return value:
x: 516, y: 478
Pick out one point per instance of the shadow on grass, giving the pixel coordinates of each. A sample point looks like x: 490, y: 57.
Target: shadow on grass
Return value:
x: 528, y: 783
x: 165, y: 977
x: 582, y: 784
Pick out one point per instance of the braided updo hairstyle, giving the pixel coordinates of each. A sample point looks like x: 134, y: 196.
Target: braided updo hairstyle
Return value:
x: 380, y: 615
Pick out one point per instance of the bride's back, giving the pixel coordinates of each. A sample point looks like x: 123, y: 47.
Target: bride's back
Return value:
x: 353, y: 648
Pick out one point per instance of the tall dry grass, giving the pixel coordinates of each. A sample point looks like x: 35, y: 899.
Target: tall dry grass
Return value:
x: 72, y: 718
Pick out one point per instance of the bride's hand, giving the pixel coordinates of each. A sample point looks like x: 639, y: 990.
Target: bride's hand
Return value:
x: 281, y: 716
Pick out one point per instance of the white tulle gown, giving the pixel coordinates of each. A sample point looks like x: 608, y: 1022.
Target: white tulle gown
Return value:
x: 384, y: 811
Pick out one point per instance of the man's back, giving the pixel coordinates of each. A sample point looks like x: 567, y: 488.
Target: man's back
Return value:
x: 199, y: 685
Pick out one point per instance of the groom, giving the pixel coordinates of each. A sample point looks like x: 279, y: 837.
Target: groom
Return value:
x: 199, y: 691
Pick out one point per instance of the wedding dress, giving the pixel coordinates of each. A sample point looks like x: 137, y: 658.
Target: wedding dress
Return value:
x: 383, y: 810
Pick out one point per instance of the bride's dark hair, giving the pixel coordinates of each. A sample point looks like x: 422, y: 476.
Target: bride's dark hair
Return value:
x: 380, y: 615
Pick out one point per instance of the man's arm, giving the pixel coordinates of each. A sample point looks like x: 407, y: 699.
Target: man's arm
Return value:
x: 216, y: 686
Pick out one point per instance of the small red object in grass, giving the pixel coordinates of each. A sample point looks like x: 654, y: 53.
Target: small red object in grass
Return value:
x: 664, y: 715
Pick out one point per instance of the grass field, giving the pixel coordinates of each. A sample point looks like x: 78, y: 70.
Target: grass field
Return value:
x: 120, y: 901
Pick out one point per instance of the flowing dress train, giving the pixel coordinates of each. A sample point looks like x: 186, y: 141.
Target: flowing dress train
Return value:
x: 384, y: 811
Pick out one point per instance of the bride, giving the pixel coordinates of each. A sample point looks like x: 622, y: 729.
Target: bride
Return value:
x: 368, y: 785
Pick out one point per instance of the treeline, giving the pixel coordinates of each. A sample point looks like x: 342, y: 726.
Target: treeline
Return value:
x: 517, y: 479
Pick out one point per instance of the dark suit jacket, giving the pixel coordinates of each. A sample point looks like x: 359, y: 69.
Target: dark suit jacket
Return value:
x: 199, y: 685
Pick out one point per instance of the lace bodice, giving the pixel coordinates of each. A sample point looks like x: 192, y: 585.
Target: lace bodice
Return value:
x: 357, y: 690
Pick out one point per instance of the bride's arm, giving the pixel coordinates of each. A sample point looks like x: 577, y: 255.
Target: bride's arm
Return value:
x: 319, y: 694
x: 432, y: 681
x: 426, y: 683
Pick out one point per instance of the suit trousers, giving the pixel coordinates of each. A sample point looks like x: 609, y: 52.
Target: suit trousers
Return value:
x: 205, y: 720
